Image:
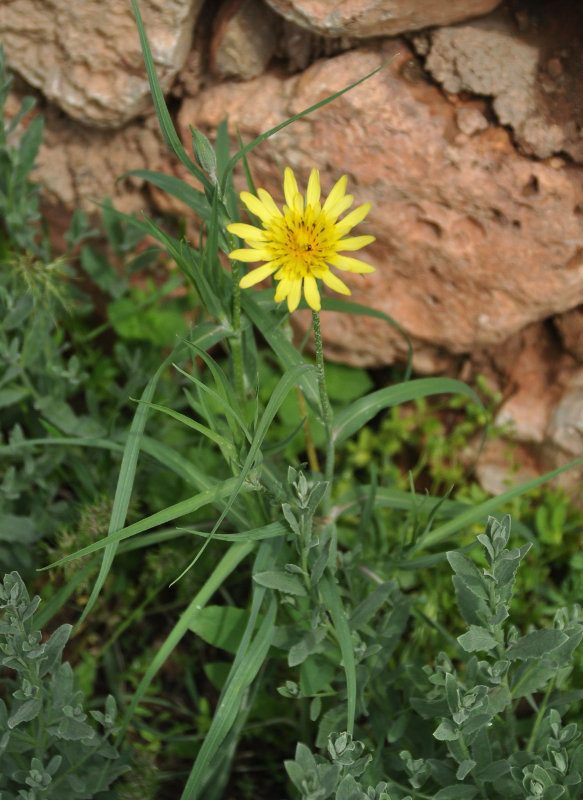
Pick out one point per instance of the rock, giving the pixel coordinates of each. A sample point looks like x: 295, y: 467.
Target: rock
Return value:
x: 535, y: 374
x: 78, y: 166
x: 566, y: 425
x: 474, y: 240
x: 570, y: 330
x: 245, y: 39
x: 500, y: 466
x: 493, y: 57
x: 86, y: 57
x: 471, y: 120
x: 366, y: 18
x: 299, y: 48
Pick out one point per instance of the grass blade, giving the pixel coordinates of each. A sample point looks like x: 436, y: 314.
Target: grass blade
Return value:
x: 162, y: 113
x: 262, y: 137
x: 125, y: 483
x: 230, y: 701
x: 477, y: 513
x: 352, y: 418
x: 220, y: 492
x: 286, y: 382
x: 229, y: 562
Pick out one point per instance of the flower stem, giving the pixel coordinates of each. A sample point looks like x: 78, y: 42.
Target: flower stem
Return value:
x: 326, y: 410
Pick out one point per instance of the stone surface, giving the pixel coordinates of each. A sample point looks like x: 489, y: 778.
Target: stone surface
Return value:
x: 78, y: 166
x: 532, y: 73
x: 366, y: 18
x: 245, y: 38
x: 570, y: 330
x: 298, y: 48
x: 85, y: 56
x: 474, y: 240
x: 535, y: 373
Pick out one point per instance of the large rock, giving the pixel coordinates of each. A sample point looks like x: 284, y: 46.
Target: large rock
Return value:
x: 474, y: 240
x: 530, y: 71
x: 366, y: 18
x: 244, y: 39
x: 78, y: 167
x: 86, y: 57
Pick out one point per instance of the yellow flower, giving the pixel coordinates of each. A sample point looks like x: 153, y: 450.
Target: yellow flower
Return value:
x: 302, y: 242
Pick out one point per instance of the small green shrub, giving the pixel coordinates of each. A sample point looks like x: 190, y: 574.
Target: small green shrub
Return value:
x: 48, y: 748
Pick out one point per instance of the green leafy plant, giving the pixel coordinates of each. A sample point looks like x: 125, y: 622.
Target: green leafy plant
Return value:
x: 489, y: 726
x: 57, y: 385
x: 311, y: 607
x: 48, y: 748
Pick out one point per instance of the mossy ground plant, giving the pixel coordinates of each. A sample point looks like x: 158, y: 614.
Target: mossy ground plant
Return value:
x: 266, y: 599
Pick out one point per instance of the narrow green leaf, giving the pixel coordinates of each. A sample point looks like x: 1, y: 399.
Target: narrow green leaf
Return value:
x: 269, y: 326
x: 285, y: 383
x: 125, y: 484
x: 477, y: 513
x: 193, y: 198
x: 162, y: 113
x: 219, y: 492
x: 331, y: 598
x: 243, y: 152
x: 368, y: 607
x: 351, y: 419
x: 272, y: 531
x: 230, y: 703
x: 228, y: 563
x: 223, y: 443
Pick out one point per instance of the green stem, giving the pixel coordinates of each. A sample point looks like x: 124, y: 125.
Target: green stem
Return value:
x: 237, y: 342
x: 464, y: 748
x: 540, y: 716
x: 326, y: 410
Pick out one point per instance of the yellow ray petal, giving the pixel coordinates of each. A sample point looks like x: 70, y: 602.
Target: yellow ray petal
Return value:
x: 249, y: 255
x: 256, y: 275
x: 352, y: 219
x: 269, y: 203
x: 283, y: 289
x: 290, y: 187
x: 339, y: 207
x: 295, y: 294
x: 313, y: 190
x: 256, y: 207
x: 247, y: 231
x: 334, y: 282
x: 311, y: 292
x: 298, y: 205
x: 350, y: 264
x: 354, y: 242
x: 337, y: 193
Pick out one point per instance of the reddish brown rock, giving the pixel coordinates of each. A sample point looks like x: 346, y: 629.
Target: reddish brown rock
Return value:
x: 245, y: 38
x: 474, y: 241
x: 531, y: 71
x: 86, y: 56
x: 365, y: 18
x: 570, y: 329
x: 78, y: 166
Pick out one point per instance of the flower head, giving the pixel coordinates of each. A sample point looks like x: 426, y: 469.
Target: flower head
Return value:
x: 303, y: 241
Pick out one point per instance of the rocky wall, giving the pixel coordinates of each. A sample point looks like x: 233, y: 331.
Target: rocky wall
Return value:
x: 469, y: 144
